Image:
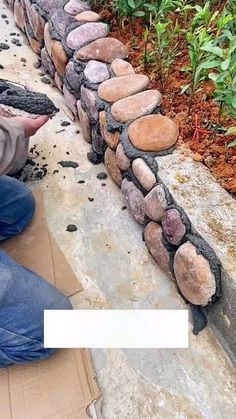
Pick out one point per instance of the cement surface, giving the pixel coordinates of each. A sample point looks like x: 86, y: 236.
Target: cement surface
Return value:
x: 116, y: 271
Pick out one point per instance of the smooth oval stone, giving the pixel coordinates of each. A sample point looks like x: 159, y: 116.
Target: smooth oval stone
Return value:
x: 193, y: 275
x: 135, y: 106
x: 59, y: 56
x: 87, y: 16
x: 104, y: 49
x: 89, y: 98
x: 47, y: 39
x: 112, y: 167
x: 121, y: 87
x: 73, y: 77
x: 84, y: 34
x: 134, y: 200
x: 153, y: 240
x: 47, y: 62
x: 70, y: 101
x: 20, y: 14
x: 74, y: 7
x: 173, y: 227
x: 143, y: 173
x: 84, y: 122
x: 123, y: 161
x: 155, y: 203
x: 96, y: 72
x: 121, y: 67
x: 153, y: 133
x: 111, y: 138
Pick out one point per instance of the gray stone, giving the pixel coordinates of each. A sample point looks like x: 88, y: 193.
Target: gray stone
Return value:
x: 89, y: 98
x: 155, y: 203
x: 143, y: 173
x: 173, y: 227
x: 73, y: 77
x: 96, y: 72
x: 84, y: 34
x: 134, y: 200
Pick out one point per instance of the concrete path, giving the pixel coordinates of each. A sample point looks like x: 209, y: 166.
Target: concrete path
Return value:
x: 116, y: 271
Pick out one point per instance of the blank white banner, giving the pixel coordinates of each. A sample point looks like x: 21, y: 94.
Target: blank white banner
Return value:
x: 116, y: 328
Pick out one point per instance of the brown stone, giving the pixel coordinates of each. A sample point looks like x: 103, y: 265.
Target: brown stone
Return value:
x: 133, y: 107
x: 143, y: 173
x: 84, y: 122
x: 35, y: 44
x: 193, y: 275
x: 153, y: 240
x: 86, y: 33
x: 153, y: 133
x: 36, y: 21
x: 155, y: 203
x: 121, y: 87
x: 58, y: 82
x: 173, y: 226
x: 70, y: 101
x: 47, y: 39
x: 59, y: 56
x: 122, y: 160
x: 121, y: 67
x: 111, y: 138
x: 112, y: 167
x: 19, y: 14
x: 134, y: 200
x: 88, y: 16
x: 104, y: 49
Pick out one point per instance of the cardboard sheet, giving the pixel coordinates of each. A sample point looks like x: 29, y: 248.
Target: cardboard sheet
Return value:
x: 63, y: 386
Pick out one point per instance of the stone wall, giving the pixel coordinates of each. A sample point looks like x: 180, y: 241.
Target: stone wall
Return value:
x: 124, y: 122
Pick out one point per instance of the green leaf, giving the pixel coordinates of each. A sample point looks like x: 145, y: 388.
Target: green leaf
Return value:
x: 231, y: 131
x: 208, y: 47
x: 209, y: 64
x: 131, y: 4
x: 225, y: 64
x: 184, y: 89
x: 232, y: 144
x: 233, y: 101
x: 139, y: 13
x: 213, y: 76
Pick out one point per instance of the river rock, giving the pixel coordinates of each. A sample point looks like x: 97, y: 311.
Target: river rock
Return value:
x: 47, y: 62
x: 74, y: 7
x: 73, y: 77
x: 58, y: 82
x: 59, y: 56
x: 19, y: 14
x: 123, y: 161
x: 36, y: 21
x: 84, y: 34
x: 112, y: 167
x: 135, y: 106
x: 154, y: 243
x: 134, y: 200
x: 104, y: 49
x: 96, y: 72
x: 84, y: 122
x: 89, y: 98
x: 155, y: 203
x: 70, y: 101
x: 87, y: 16
x: 193, y: 275
x: 34, y: 43
x: 60, y: 21
x: 143, y: 173
x: 173, y: 227
x: 121, y: 87
x: 111, y: 138
x: 121, y: 67
x: 47, y: 39
x: 153, y: 133
x: 48, y: 5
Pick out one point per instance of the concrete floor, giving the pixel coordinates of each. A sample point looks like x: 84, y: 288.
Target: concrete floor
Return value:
x: 116, y: 271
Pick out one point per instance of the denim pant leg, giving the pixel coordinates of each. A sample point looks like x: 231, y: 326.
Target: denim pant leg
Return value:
x: 17, y: 206
x: 23, y: 298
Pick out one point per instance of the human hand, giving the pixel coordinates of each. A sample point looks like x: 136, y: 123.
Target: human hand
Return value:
x: 31, y: 125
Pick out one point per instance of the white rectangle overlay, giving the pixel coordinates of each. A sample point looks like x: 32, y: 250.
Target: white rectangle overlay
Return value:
x: 116, y: 328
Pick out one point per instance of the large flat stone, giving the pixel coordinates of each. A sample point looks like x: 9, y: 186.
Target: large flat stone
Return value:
x: 104, y: 49
x: 153, y: 133
x: 135, y: 106
x: 121, y: 87
x: 84, y: 34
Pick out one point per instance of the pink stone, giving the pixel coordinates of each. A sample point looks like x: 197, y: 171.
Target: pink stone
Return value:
x: 84, y: 34
x: 120, y: 87
x: 134, y: 200
x: 153, y: 240
x: 74, y: 7
x: 173, y: 227
x: 96, y: 72
x: 122, y: 160
x: 70, y: 101
x: 89, y: 98
x: 104, y: 49
x: 47, y: 39
x: 84, y: 121
x: 121, y: 67
x: 19, y: 14
x: 35, y: 19
x: 143, y: 173
x: 87, y: 16
x: 155, y: 203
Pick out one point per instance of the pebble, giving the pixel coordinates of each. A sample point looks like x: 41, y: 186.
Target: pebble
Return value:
x: 84, y: 34
x: 193, y: 275
x: 155, y: 203
x: 96, y: 72
x: 144, y: 174
x: 102, y: 175
x: 173, y: 226
x: 1, y: 67
x: 153, y: 133
x: 87, y: 16
x: 4, y: 46
x: 112, y: 167
x: 121, y: 87
x: 134, y: 200
x: 68, y: 163
x: 65, y: 123
x: 71, y: 228
x: 45, y: 80
x: 103, y: 49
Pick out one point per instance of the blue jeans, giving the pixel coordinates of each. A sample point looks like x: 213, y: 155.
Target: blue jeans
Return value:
x: 23, y: 295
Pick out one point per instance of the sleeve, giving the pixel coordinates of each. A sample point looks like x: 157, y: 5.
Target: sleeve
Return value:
x: 12, y: 145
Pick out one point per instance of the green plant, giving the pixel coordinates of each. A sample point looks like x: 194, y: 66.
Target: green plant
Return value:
x: 231, y: 131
